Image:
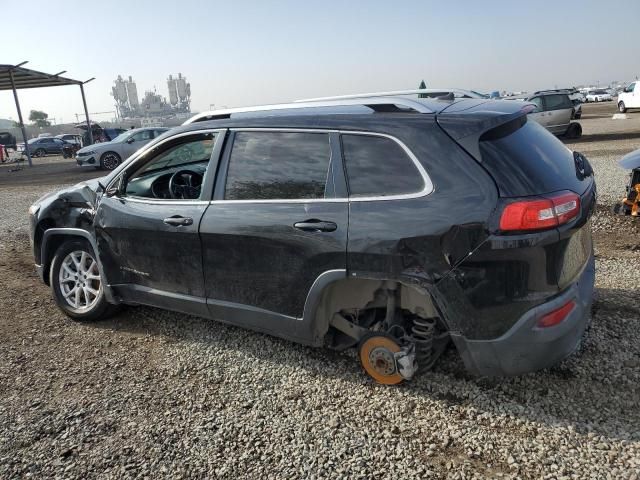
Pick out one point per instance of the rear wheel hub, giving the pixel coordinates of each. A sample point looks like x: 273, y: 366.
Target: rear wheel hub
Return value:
x: 377, y: 356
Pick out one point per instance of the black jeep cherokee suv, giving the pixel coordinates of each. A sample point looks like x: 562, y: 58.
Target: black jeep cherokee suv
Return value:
x: 392, y: 224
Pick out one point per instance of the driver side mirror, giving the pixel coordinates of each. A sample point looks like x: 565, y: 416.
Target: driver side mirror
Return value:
x: 112, y: 191
x: 130, y: 140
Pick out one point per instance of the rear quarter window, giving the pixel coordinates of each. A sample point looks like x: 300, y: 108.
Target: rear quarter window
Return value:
x: 529, y: 161
x: 378, y: 167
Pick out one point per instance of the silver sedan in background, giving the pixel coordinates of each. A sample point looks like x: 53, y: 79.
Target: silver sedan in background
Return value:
x: 109, y: 155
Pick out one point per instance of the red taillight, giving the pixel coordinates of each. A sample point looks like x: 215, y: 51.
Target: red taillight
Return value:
x: 557, y: 316
x: 540, y: 213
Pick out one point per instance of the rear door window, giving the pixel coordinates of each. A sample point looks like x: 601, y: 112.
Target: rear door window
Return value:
x: 557, y: 102
x: 537, y: 101
x: 278, y: 166
x: 378, y: 167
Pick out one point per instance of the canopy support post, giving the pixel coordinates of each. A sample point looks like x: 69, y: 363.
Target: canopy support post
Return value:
x: 24, y: 132
x: 86, y: 114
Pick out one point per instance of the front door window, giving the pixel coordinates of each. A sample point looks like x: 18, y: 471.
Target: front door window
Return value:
x: 177, y: 172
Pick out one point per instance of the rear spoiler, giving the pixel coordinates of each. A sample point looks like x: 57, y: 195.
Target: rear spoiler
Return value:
x: 467, y: 126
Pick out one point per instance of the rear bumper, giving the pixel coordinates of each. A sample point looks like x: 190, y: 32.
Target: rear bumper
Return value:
x: 526, y: 347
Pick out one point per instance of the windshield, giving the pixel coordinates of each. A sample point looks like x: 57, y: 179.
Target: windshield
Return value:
x: 121, y: 138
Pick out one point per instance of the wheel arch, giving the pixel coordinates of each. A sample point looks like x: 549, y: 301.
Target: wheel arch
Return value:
x: 334, y: 290
x: 52, y: 238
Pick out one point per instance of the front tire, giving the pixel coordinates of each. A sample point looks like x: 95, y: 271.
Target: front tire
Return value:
x: 40, y: 153
x: 110, y: 161
x: 76, y: 282
x: 622, y: 107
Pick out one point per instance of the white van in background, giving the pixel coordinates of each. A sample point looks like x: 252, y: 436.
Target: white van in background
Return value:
x: 629, y: 97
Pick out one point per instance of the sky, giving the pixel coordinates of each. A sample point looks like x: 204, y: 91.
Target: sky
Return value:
x: 237, y: 53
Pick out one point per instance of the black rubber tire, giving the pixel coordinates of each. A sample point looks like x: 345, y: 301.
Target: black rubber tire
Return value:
x: 622, y: 107
x: 574, y: 130
x: 110, y: 166
x: 101, y: 310
x: 41, y: 152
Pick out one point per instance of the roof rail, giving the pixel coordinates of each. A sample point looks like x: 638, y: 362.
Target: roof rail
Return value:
x: 556, y: 90
x: 382, y: 94
x: 375, y: 103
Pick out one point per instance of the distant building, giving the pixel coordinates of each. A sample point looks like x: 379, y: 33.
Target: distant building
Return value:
x: 125, y: 94
x: 5, y: 123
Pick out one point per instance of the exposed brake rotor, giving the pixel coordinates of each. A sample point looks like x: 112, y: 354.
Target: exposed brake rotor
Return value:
x: 379, y: 357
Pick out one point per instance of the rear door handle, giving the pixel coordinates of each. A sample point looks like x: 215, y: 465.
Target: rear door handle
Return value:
x: 315, y: 225
x: 178, y: 221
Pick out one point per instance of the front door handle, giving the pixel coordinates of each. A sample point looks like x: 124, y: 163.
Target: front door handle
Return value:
x: 315, y: 225
x: 178, y: 221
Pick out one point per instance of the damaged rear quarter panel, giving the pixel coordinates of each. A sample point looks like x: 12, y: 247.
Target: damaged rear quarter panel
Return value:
x: 418, y: 241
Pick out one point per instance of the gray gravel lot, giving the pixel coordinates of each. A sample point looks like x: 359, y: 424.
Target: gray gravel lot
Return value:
x: 152, y: 394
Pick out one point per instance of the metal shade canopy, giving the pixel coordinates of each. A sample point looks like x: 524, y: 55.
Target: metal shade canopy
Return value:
x: 16, y: 77
x: 26, y: 78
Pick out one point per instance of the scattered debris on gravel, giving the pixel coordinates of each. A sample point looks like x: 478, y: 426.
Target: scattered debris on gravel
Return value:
x: 151, y: 394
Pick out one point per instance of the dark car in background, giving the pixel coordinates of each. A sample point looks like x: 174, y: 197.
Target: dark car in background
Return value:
x: 8, y: 140
x: 39, y: 147
x: 390, y: 224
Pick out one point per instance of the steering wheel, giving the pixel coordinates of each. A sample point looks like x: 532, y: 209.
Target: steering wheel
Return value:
x: 185, y: 184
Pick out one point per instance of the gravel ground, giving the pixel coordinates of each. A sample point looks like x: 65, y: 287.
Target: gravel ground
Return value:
x: 152, y: 394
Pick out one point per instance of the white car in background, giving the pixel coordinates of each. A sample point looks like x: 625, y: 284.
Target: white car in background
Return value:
x: 108, y: 155
x: 599, y: 96
x: 629, y: 97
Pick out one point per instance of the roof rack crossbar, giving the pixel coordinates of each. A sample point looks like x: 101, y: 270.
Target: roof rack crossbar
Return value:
x: 407, y: 103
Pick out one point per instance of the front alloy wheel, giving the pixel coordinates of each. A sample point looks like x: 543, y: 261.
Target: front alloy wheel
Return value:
x: 621, y: 107
x: 76, y: 282
x: 79, y: 280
